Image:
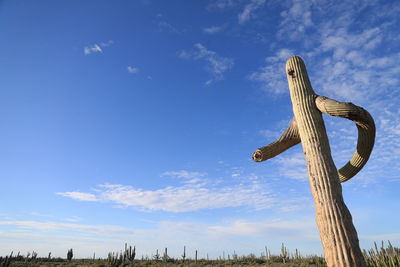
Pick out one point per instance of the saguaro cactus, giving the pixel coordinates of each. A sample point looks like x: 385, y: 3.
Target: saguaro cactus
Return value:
x: 337, y: 232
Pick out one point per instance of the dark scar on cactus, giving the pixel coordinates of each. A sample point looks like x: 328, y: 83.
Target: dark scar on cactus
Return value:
x: 291, y: 73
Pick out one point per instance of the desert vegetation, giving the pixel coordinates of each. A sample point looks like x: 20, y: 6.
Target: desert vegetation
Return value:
x: 383, y: 256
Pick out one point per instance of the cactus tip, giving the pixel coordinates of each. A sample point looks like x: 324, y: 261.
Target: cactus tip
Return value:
x: 257, y: 156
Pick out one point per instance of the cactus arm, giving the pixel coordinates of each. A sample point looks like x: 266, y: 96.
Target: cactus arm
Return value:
x: 289, y: 138
x: 366, y: 132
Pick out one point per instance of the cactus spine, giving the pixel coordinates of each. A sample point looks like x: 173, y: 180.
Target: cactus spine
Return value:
x: 337, y: 232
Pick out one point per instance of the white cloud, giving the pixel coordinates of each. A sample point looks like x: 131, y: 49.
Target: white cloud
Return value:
x: 107, y: 44
x: 163, y: 25
x: 249, y: 9
x: 191, y: 196
x: 184, y: 55
x: 293, y: 166
x: 38, y: 214
x: 296, y: 20
x: 215, y: 64
x: 97, y: 48
x: 272, y: 78
x: 132, y: 70
x: 281, y: 56
x: 269, y: 134
x: 212, y: 29
x: 184, y: 174
x: 79, y: 196
x: 92, y: 49
x: 222, y: 4
x: 101, y: 230
x: 73, y: 219
x: 341, y: 41
x: 286, y: 230
x: 195, y: 178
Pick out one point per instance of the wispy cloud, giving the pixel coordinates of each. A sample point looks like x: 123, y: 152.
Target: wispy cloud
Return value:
x: 96, y: 48
x: 132, y: 70
x: 215, y: 64
x: 269, y: 134
x: 188, y: 177
x: 107, y: 44
x: 269, y: 228
x: 73, y: 219
x: 92, y: 49
x: 163, y: 25
x: 184, y: 174
x: 296, y: 20
x: 293, y: 166
x: 38, y: 214
x: 102, y: 230
x: 184, y: 198
x: 249, y: 10
x: 213, y: 29
x: 79, y: 196
x: 222, y: 4
x: 271, y: 77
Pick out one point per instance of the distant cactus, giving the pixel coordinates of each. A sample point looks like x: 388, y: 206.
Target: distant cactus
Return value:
x: 297, y: 255
x: 284, y: 253
x: 70, y: 254
x: 184, y: 254
x: 267, y: 253
x: 156, y: 256
x: 115, y: 259
x: 5, y: 262
x: 129, y: 254
x: 388, y: 257
x: 165, y: 257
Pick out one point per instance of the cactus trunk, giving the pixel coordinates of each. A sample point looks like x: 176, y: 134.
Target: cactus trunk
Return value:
x: 337, y: 232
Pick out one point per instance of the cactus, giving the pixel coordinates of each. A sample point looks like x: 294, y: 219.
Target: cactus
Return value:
x: 165, y: 257
x: 297, y: 255
x: 389, y: 256
x: 115, y: 260
x: 70, y: 254
x: 366, y: 132
x: 129, y: 254
x: 284, y: 253
x: 184, y: 254
x: 337, y: 232
x: 267, y: 254
x: 5, y: 262
x: 156, y: 256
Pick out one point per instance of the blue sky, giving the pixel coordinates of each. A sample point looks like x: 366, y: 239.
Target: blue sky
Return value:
x: 135, y: 121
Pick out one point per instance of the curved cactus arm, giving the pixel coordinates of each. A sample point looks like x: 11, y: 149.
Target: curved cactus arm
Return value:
x: 366, y: 132
x: 289, y: 138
